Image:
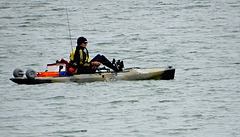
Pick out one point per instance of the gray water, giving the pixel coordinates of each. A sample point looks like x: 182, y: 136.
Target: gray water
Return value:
x: 200, y: 38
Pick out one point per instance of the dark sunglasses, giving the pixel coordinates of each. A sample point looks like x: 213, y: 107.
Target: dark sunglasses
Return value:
x: 85, y: 42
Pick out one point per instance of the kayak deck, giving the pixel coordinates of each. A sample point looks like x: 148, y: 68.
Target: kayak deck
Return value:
x: 126, y: 74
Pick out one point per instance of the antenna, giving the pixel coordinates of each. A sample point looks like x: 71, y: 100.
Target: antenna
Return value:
x: 69, y: 27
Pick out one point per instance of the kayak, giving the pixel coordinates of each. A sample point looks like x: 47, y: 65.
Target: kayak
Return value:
x: 126, y: 74
x: 56, y: 73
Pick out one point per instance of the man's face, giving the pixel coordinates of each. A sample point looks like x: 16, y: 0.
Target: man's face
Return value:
x: 84, y: 44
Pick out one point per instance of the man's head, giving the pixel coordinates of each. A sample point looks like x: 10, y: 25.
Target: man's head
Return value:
x: 81, y: 41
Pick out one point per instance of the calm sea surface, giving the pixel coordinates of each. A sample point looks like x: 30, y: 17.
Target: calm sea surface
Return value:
x: 200, y: 38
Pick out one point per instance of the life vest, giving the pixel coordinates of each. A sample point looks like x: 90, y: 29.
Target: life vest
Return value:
x: 84, y: 58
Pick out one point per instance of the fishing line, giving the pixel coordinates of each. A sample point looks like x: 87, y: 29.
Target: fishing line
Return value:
x: 69, y: 30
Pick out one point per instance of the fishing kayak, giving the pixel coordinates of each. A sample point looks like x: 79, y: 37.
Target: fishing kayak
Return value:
x: 54, y: 74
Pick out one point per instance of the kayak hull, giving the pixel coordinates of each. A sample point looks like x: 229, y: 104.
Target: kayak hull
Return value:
x: 127, y: 74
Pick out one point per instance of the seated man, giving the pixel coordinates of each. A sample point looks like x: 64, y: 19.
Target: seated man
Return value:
x: 81, y: 60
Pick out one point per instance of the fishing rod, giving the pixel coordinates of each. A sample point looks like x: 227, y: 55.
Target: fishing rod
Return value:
x: 69, y: 30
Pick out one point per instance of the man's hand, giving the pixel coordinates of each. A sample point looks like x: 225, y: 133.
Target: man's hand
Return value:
x: 95, y: 63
